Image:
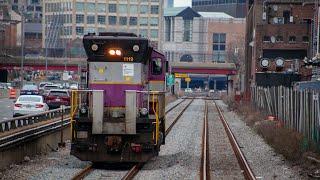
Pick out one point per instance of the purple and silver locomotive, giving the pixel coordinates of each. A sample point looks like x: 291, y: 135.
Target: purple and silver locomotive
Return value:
x: 118, y: 113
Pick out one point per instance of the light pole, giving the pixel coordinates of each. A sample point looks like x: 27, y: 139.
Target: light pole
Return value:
x: 22, y: 46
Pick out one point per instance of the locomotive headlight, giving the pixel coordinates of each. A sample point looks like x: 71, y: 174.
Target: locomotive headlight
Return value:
x: 118, y: 52
x: 143, y: 111
x: 135, y: 48
x: 112, y: 52
x: 94, y: 47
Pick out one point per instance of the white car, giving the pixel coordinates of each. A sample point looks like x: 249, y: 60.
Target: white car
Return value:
x: 188, y: 90
x: 211, y: 91
x: 73, y: 87
x: 29, y: 104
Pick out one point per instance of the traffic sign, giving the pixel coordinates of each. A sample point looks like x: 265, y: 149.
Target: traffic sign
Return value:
x: 170, y: 80
x: 65, y: 76
x: 180, y: 75
x: 187, y: 79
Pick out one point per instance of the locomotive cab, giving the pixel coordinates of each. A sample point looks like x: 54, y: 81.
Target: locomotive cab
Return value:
x: 119, y: 116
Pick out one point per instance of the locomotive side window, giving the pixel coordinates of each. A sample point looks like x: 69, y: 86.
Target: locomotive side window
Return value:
x: 156, y: 66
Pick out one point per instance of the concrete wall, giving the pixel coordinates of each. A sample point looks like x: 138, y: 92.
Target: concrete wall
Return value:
x: 40, y: 145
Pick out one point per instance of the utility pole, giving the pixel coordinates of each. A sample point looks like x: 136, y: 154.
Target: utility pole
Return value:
x: 46, y: 44
x: 22, y: 46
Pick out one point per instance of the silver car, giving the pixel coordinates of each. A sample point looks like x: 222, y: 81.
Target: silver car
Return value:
x: 29, y: 104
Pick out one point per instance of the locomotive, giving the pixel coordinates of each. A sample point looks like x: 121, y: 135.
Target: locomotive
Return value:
x: 118, y: 112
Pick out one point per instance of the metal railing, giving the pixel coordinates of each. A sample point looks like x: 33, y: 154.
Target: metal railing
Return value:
x: 22, y: 121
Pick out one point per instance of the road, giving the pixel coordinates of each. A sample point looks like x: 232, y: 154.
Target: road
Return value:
x: 6, y: 109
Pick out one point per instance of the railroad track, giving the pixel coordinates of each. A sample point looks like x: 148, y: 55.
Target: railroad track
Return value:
x: 205, y: 159
x: 246, y: 170
x: 136, y: 168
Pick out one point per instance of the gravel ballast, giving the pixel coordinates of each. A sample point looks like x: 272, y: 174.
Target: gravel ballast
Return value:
x: 265, y: 163
x: 180, y: 157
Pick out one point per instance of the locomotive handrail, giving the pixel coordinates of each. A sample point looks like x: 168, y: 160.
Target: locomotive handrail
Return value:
x: 16, y: 122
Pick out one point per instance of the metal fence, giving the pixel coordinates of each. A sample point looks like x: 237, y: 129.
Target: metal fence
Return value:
x: 299, y: 110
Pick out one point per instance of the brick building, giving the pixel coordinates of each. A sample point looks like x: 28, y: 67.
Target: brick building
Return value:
x: 278, y: 38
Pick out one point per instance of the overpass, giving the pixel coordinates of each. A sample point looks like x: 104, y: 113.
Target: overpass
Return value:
x: 203, y: 75
x: 39, y: 63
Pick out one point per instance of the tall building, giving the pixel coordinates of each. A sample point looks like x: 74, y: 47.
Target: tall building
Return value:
x: 279, y: 39
x: 65, y: 20
x: 167, y: 3
x: 235, y: 8
x: 191, y: 36
x: 32, y: 9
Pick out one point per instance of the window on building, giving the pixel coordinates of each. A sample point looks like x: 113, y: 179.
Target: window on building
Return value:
x: 144, y: 9
x: 15, y: 7
x: 123, y: 20
x: 79, y: 30
x: 144, y: 32
x: 30, y: 8
x: 154, y: 33
x: 91, y: 7
x: 101, y: 19
x: 266, y: 38
x: 187, y: 32
x: 101, y: 30
x: 101, y: 7
x: 218, y: 47
x: 167, y: 31
x: 305, y: 39
x: 123, y: 8
x: 279, y: 39
x: 154, y: 21
x: 154, y: 10
x: 90, y: 20
x: 133, y: 9
x: 39, y: 8
x: 143, y: 21
x: 79, y: 18
x: 80, y: 6
x: 112, y: 20
x: 112, y: 8
x: 133, y: 21
x: 292, y: 39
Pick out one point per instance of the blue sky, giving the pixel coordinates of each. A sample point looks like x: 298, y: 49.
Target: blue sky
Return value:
x: 179, y: 3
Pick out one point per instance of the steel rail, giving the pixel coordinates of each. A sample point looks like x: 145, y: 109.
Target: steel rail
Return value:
x: 175, y: 106
x: 135, y: 169
x: 247, y: 172
x: 177, y: 118
x: 83, y: 173
x: 204, y: 166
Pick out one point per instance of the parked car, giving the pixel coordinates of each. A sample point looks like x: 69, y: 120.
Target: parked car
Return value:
x: 29, y: 89
x: 211, y: 91
x: 48, y: 87
x: 5, y: 86
x: 189, y: 90
x: 29, y: 104
x: 57, y: 97
x: 42, y: 84
x: 73, y: 86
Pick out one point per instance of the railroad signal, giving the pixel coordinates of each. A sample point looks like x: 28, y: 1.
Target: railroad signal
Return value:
x: 187, y: 79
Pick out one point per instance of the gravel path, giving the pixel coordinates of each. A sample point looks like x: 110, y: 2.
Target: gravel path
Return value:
x: 265, y: 163
x: 180, y: 157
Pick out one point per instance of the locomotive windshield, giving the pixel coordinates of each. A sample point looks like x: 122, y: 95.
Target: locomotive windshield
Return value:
x: 111, y: 48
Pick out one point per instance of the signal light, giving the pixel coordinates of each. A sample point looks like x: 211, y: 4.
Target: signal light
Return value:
x: 113, y: 52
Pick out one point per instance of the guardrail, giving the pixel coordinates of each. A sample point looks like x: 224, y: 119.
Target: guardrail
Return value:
x: 22, y: 121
